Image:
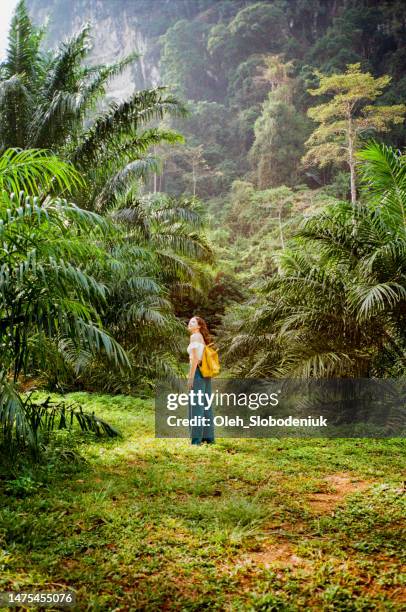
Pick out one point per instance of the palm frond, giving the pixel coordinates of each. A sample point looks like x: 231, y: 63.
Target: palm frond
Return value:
x: 23, y: 44
x: 124, y: 118
x: 15, y: 104
x: 384, y: 181
x: 13, y: 419
x: 34, y: 171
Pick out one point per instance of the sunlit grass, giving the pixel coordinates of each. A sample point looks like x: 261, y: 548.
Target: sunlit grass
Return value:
x: 148, y: 524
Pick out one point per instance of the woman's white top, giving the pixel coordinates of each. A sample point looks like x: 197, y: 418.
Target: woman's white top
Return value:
x: 196, y: 343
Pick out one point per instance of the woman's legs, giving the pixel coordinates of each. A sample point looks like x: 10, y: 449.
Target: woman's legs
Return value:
x: 196, y: 409
x: 200, y: 433
x: 208, y: 430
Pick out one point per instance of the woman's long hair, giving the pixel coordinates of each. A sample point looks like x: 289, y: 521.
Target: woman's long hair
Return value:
x: 204, y: 330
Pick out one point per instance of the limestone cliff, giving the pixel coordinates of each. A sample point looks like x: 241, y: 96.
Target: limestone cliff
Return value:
x: 119, y: 27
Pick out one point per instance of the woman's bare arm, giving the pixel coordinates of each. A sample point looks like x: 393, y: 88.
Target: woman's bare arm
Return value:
x: 192, y: 369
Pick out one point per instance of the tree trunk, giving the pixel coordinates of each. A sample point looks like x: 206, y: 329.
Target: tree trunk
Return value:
x: 351, y: 160
x: 194, y: 178
x: 280, y: 227
x: 155, y: 177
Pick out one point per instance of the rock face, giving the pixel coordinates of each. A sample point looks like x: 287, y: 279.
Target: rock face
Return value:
x: 119, y: 27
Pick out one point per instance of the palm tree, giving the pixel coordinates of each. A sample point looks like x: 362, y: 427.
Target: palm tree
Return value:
x: 337, y: 307
x: 45, y: 290
x: 52, y: 100
x: 154, y: 259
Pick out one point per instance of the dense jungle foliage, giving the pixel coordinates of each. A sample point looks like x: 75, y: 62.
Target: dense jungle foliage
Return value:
x: 262, y: 185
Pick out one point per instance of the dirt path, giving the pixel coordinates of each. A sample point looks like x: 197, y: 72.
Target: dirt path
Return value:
x: 339, y: 486
x: 282, y: 553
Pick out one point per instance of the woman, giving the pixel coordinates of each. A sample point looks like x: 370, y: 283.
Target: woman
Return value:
x: 199, y: 337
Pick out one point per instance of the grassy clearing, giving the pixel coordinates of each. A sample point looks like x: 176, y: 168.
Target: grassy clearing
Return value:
x: 148, y: 524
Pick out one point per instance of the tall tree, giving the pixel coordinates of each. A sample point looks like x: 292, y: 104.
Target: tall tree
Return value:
x: 348, y: 117
x: 280, y: 130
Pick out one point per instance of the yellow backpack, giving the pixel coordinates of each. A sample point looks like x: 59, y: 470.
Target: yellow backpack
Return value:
x: 210, y: 365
